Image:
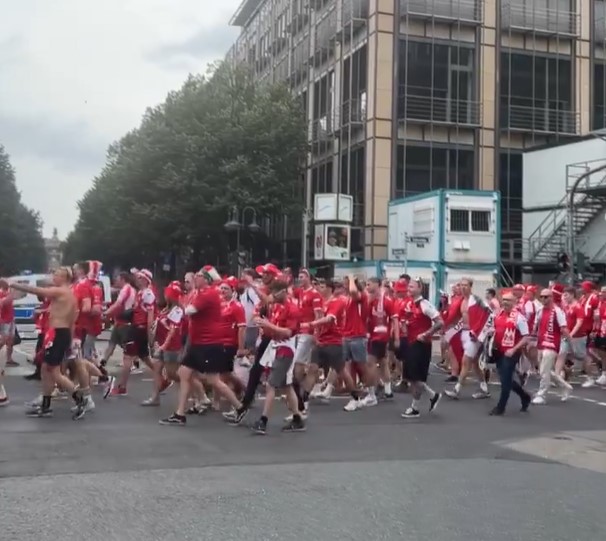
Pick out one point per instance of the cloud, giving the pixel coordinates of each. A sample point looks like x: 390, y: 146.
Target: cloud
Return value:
x: 76, y: 75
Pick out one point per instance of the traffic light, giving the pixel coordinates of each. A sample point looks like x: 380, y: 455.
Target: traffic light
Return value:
x: 563, y: 261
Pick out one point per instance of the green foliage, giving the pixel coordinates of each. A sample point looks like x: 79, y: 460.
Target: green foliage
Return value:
x: 168, y: 185
x: 21, y: 242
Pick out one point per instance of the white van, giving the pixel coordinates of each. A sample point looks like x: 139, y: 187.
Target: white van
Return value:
x: 26, y: 303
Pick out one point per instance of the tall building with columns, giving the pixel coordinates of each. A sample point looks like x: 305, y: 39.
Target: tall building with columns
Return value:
x: 407, y: 96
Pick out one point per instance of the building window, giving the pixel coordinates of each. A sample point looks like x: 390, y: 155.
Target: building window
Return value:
x: 536, y: 93
x: 459, y: 221
x: 425, y: 168
x: 551, y: 16
x: 436, y: 83
x: 469, y: 221
x: 321, y: 178
x: 480, y: 221
x: 352, y: 181
x: 354, y: 86
x: 510, y: 186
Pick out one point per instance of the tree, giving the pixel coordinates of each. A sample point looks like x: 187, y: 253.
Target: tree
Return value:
x: 21, y: 242
x: 168, y: 185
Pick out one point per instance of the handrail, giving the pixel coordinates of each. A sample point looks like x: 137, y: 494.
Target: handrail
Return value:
x: 552, y: 20
x: 508, y: 280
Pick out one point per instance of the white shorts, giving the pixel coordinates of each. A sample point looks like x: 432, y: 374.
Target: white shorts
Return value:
x: 305, y: 344
x: 471, y: 348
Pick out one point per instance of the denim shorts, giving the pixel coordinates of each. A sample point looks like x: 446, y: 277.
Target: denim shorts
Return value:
x: 355, y: 349
x: 575, y: 347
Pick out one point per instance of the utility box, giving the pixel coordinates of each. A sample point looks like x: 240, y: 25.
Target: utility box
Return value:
x: 445, y: 227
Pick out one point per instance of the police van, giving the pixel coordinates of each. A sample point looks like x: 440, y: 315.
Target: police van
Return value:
x: 26, y: 303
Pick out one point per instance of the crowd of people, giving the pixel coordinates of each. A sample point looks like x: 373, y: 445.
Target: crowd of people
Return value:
x: 219, y: 338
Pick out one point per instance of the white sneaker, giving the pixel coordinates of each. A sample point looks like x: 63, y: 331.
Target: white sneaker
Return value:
x: 353, y: 405
x: 316, y: 391
x: 539, y: 400
x: 89, y: 405
x: 369, y: 400
x: 566, y: 393
x: 601, y: 380
x: 588, y: 383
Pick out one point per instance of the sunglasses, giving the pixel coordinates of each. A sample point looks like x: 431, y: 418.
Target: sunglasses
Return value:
x: 545, y: 297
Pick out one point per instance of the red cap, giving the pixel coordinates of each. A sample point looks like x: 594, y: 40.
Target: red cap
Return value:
x: 519, y: 287
x: 531, y: 289
x: 268, y: 268
x: 173, y: 291
x: 231, y: 281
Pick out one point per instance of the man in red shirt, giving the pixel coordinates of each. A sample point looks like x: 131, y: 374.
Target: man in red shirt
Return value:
x: 590, y: 303
x: 600, y: 335
x: 382, y: 325
x: 310, y: 308
x: 550, y: 327
x: 205, y: 353
x: 422, y: 322
x: 7, y: 323
x: 281, y: 327
x: 511, y: 334
x: 328, y: 353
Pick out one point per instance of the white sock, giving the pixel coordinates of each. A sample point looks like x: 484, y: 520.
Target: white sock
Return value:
x: 483, y: 387
x: 371, y: 392
x: 457, y: 387
x: 329, y: 389
x: 388, y: 388
x: 415, y: 404
x: 2, y: 391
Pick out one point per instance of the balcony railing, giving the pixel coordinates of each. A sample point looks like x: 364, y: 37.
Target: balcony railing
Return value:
x: 322, y: 128
x: 469, y: 11
x: 414, y: 105
x: 353, y: 112
x: 539, y: 118
x: 525, y: 17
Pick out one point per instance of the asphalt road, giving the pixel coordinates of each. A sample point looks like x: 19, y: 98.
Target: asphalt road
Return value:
x: 457, y: 475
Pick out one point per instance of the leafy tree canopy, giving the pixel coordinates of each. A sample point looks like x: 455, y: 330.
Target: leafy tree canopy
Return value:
x: 168, y: 185
x: 21, y: 242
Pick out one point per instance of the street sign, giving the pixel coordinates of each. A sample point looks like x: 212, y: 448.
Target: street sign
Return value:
x: 418, y: 240
x: 399, y: 251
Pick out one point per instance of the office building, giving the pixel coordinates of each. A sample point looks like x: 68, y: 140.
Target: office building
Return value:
x: 407, y: 96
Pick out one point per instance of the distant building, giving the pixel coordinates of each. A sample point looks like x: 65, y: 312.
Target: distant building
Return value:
x: 54, y: 252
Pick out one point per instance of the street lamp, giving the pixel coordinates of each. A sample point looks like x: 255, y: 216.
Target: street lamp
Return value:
x: 237, y: 222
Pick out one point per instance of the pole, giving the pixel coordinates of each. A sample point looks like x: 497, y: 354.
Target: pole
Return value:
x: 405, y: 253
x: 304, y: 238
x: 238, y: 231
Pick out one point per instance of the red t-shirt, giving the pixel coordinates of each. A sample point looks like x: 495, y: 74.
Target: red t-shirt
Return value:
x: 95, y: 321
x: 549, y: 324
x: 602, y: 314
x: 41, y: 317
x: 205, y: 324
x: 286, y: 316
x: 574, y: 313
x: 83, y: 290
x: 167, y: 320
x: 589, y: 304
x: 419, y: 315
x: 145, y: 302
x: 400, y: 309
x: 310, y: 300
x: 382, y: 311
x: 356, y: 317
x: 7, y: 309
x: 331, y: 333
x: 232, y: 319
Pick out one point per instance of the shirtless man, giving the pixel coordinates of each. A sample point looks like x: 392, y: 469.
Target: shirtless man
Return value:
x: 63, y: 310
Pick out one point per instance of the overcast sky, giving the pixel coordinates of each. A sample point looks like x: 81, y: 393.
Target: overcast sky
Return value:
x: 76, y: 75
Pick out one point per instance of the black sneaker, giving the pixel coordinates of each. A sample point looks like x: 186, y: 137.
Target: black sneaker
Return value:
x: 39, y: 412
x: 33, y: 377
x: 411, y: 413
x: 296, y: 425
x: 388, y: 396
x: 451, y: 379
x: 174, y: 419
x: 433, y: 402
x: 234, y: 418
x: 496, y: 412
x: 109, y: 387
x: 80, y: 410
x: 260, y: 427
x: 192, y: 410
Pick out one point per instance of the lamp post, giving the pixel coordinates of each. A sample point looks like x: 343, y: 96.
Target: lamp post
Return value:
x: 237, y: 222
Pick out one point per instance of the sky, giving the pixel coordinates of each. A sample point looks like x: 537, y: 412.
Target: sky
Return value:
x: 76, y: 75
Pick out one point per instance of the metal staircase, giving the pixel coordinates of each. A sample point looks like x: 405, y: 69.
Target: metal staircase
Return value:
x: 550, y: 237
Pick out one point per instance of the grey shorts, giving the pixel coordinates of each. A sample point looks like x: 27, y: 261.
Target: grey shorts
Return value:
x: 281, y: 374
x: 88, y: 347
x: 329, y: 356
x: 7, y: 330
x: 355, y: 349
x: 250, y: 338
x: 305, y: 344
x: 168, y: 356
x: 576, y: 348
